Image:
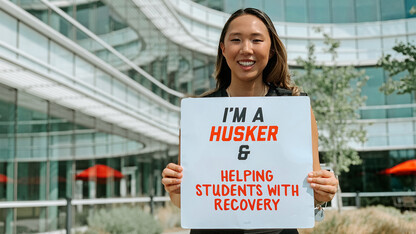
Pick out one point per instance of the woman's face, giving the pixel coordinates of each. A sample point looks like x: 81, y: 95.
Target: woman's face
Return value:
x: 246, y: 48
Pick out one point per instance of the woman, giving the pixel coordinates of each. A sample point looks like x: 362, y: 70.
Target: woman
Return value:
x: 252, y: 61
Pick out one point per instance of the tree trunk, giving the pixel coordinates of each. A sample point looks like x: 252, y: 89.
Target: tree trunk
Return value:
x: 339, y: 199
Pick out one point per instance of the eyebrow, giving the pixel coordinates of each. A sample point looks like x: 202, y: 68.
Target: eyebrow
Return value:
x: 239, y: 34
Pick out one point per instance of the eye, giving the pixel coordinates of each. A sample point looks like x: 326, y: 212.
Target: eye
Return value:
x: 257, y: 40
x: 235, y: 39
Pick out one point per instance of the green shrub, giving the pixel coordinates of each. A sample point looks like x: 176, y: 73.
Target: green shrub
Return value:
x: 123, y: 219
x: 377, y: 220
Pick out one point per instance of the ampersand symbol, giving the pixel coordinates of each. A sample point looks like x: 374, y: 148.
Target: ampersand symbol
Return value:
x: 243, y: 152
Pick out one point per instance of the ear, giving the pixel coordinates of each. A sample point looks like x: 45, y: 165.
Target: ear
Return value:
x: 222, y: 48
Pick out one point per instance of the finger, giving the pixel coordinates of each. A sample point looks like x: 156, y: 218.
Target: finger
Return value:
x: 324, y: 188
x: 170, y: 181
x: 323, y: 181
x: 321, y: 173
x: 175, y: 167
x: 171, y: 173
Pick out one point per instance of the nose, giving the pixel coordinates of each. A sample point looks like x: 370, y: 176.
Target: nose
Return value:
x: 246, y: 47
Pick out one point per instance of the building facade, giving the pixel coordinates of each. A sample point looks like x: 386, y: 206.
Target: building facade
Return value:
x: 91, y: 82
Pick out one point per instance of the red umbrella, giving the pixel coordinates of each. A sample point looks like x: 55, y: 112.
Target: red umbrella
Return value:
x: 4, y: 179
x: 405, y: 168
x: 100, y: 173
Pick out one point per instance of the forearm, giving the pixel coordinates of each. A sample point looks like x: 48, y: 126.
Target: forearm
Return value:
x: 175, y: 198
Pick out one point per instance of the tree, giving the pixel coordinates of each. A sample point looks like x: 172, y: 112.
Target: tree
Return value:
x: 407, y: 83
x: 335, y: 93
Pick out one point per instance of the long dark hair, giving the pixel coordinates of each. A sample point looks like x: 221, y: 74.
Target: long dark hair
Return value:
x: 276, y: 71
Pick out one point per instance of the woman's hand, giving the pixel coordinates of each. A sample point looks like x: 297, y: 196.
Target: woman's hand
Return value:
x: 172, y: 178
x: 324, y: 185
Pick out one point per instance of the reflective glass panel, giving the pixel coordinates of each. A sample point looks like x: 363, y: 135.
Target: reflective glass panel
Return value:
x: 399, y: 99
x: 7, y: 122
x: 61, y: 59
x: 232, y: 5
x: 34, y: 44
x: 275, y: 9
x: 296, y: 11
x: 319, y: 11
x: 376, y: 134
x: 409, y: 4
x: 392, y: 9
x: 31, y: 178
x: 400, y: 133
x: 8, y: 27
x: 25, y: 218
x: 367, y: 10
x: 343, y: 11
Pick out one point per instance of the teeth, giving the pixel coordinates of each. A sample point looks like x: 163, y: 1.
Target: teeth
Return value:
x: 246, y: 64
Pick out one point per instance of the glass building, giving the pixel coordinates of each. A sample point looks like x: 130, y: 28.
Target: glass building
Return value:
x: 87, y: 82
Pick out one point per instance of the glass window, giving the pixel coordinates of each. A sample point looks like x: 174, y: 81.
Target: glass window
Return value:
x: 409, y: 8
x: 6, y: 171
x: 395, y: 98
x: 8, y: 29
x: 103, y: 82
x: 297, y: 30
x: 84, y: 71
x: 101, y: 143
x: 369, y: 29
x: 296, y: 11
x: 297, y: 46
x: 367, y: 10
x: 374, y: 96
x: 61, y: 130
x: 65, y: 177
x: 34, y: 44
x: 411, y: 25
x: 102, y: 19
x: 26, y: 216
x: 390, y: 42
x: 393, y: 28
x: 400, y: 133
x: 371, y: 88
x: 376, y: 134
x: 232, y: 5
x: 368, y: 49
x: 118, y: 145
x: 60, y: 24
x: 254, y: 4
x: 7, y: 122
x: 61, y: 59
x: 347, y: 46
x: 319, y: 11
x: 83, y: 16
x: 31, y: 180
x: 341, y: 30
x: 343, y: 11
x: 84, y: 144
x: 119, y: 90
x: 54, y: 180
x: 31, y: 126
x: 392, y: 9
x: 275, y: 9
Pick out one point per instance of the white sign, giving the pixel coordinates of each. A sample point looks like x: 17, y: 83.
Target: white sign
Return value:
x: 246, y: 160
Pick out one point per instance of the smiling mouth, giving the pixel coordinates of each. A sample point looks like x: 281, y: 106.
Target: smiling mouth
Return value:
x: 246, y: 63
